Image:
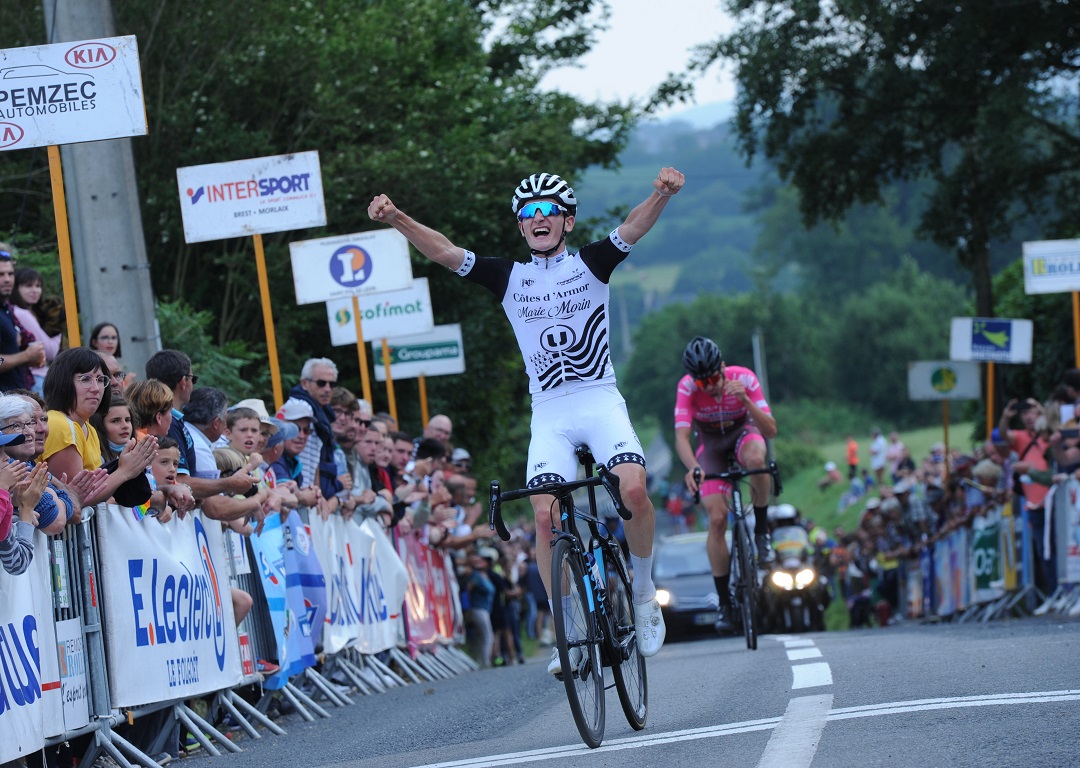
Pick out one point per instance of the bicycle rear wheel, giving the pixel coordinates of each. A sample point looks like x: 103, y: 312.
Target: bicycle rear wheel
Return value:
x: 748, y: 585
x: 578, y: 641
x: 627, y: 666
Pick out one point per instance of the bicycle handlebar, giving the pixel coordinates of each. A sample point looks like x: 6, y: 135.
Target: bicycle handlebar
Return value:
x: 738, y: 474
x: 604, y: 477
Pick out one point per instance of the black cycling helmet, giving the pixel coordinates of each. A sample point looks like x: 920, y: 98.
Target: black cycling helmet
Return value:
x: 702, y: 357
x: 544, y: 186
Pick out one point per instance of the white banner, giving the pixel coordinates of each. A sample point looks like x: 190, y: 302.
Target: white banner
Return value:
x: 1052, y: 266
x: 438, y: 353
x: 391, y: 313
x: 350, y: 265
x: 251, y: 197
x: 70, y: 92
x: 990, y: 339
x: 170, y: 631
x: 943, y: 380
x: 71, y: 656
x: 26, y: 622
x: 365, y: 581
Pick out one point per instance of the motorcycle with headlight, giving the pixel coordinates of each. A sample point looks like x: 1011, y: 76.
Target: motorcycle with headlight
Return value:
x: 795, y: 595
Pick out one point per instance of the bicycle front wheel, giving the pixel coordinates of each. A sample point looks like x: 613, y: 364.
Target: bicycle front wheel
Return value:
x: 749, y: 585
x: 627, y: 666
x: 578, y: 641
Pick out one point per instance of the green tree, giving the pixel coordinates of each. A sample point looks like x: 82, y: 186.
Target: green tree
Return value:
x: 972, y: 96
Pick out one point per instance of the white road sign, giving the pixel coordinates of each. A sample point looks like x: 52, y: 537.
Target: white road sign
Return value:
x: 990, y: 339
x: 70, y: 92
x: 438, y: 353
x: 943, y: 380
x: 350, y: 265
x: 1052, y: 266
x: 392, y: 313
x: 241, y: 198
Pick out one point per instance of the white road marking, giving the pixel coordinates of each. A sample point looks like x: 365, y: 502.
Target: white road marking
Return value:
x: 795, y: 739
x: 810, y: 675
x: 748, y: 726
x: 798, y: 654
x: 798, y: 642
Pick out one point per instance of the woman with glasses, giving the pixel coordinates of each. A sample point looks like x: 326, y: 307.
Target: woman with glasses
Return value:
x: 76, y: 388
x: 53, y: 505
x: 724, y: 404
x: 105, y: 338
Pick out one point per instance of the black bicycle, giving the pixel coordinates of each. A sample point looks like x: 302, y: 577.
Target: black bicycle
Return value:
x: 592, y: 599
x: 745, y: 580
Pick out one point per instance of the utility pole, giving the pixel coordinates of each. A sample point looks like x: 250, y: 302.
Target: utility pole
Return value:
x: 112, y: 272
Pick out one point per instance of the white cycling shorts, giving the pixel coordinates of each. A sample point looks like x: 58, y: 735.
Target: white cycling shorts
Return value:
x: 587, y: 414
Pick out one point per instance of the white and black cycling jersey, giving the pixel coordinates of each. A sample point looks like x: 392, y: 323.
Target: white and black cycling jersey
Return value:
x: 558, y: 308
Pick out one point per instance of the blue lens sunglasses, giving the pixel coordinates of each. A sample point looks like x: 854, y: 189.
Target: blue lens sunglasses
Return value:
x: 544, y: 209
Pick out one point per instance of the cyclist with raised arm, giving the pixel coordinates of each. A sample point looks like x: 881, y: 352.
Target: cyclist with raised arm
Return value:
x: 557, y: 304
x: 724, y: 404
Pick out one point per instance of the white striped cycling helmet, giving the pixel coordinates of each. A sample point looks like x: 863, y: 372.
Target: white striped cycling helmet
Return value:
x: 544, y: 186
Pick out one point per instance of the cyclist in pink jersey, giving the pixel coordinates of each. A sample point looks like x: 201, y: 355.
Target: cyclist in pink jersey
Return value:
x: 724, y: 404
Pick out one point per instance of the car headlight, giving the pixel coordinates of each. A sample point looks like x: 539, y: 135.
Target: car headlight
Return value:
x: 804, y: 577
x: 782, y: 579
x: 664, y: 597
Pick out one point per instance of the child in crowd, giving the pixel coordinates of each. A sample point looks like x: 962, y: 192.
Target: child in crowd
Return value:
x: 244, y: 432
x: 163, y: 471
x: 115, y: 428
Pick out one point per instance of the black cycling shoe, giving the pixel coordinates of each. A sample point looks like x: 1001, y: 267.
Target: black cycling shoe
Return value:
x: 723, y: 623
x: 763, y: 544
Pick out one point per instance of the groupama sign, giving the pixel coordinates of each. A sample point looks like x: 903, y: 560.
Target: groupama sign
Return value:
x: 70, y: 92
x: 437, y: 353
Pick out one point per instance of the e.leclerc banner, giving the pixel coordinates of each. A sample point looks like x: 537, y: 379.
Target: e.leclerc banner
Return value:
x: 170, y: 631
x: 389, y: 313
x: 438, y: 353
x: 241, y: 198
x: 70, y: 92
x: 350, y: 265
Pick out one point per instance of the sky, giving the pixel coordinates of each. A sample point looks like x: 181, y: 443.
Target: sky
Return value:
x: 646, y: 40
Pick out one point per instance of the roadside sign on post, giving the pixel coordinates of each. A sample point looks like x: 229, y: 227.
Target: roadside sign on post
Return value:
x: 242, y: 198
x: 68, y: 93
x: 1052, y: 266
x: 943, y: 380
x: 990, y: 339
x: 384, y: 314
x: 438, y: 353
x: 350, y: 265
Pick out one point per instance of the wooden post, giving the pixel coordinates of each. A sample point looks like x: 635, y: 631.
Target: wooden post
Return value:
x: 423, y: 400
x: 63, y: 242
x: 989, y: 399
x: 391, y: 401
x: 268, y: 322
x: 361, y: 351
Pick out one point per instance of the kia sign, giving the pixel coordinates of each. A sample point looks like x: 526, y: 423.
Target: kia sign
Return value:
x: 70, y: 93
x: 350, y: 265
x: 438, y: 353
x: 393, y: 313
x: 990, y: 340
x: 1052, y: 266
x: 943, y: 380
x: 241, y: 198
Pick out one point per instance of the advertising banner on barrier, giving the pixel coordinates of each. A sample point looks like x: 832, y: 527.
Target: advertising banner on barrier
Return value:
x: 305, y: 600
x: 71, y: 656
x: 986, y: 562
x: 169, y: 626
x: 342, y: 621
x: 382, y: 579
x: 1067, y: 504
x: 419, y: 596
x: 25, y: 610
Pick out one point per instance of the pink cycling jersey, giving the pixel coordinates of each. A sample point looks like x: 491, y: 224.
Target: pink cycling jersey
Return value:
x: 692, y: 405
